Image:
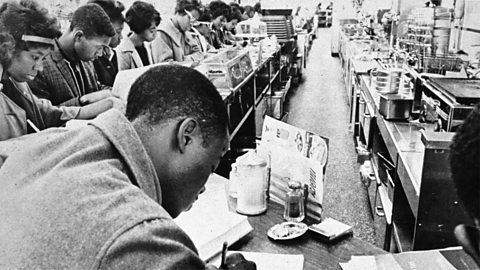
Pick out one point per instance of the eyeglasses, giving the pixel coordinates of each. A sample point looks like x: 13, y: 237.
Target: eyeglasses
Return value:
x: 190, y: 16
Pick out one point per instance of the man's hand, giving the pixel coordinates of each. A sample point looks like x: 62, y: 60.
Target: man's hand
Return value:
x: 95, y: 96
x: 236, y: 261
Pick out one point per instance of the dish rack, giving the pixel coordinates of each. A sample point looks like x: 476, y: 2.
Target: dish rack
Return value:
x: 280, y: 26
x: 441, y: 64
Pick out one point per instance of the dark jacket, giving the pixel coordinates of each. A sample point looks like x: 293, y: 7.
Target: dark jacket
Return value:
x: 216, y: 36
x: 57, y: 84
x: 106, y: 70
x: 86, y: 198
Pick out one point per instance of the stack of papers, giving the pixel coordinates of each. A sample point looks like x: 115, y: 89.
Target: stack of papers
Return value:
x: 269, y: 261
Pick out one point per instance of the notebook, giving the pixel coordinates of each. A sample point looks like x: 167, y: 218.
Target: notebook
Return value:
x: 125, y: 79
x: 331, y: 229
x: 209, y: 222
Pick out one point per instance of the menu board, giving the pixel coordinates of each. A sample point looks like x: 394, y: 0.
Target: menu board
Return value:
x: 294, y: 154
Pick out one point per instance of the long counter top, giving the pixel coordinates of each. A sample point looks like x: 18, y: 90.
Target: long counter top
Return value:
x: 403, y: 140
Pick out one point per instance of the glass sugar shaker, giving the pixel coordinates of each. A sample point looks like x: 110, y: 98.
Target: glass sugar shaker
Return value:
x: 294, y: 202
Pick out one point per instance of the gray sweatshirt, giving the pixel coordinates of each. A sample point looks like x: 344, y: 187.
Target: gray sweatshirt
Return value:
x: 86, y: 199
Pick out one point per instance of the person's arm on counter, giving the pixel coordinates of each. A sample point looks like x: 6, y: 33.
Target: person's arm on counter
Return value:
x: 92, y: 110
x: 157, y: 244
x: 55, y: 116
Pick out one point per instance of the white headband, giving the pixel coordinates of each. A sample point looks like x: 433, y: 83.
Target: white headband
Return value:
x: 38, y: 39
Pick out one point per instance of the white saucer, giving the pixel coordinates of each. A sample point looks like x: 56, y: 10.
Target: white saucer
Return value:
x: 287, y: 230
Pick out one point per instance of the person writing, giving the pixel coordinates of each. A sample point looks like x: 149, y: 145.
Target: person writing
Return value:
x: 464, y: 161
x: 68, y: 77
x: 106, y: 66
x: 201, y: 32
x: 174, y: 41
x: 228, y: 32
x: 32, y: 33
x: 219, y: 11
x: 9, y: 115
x: 111, y: 189
x: 143, y: 19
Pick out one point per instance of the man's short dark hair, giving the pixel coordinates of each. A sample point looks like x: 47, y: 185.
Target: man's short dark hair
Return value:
x: 188, y: 5
x: 172, y: 91
x: 113, y: 8
x: 27, y: 18
x: 93, y: 21
x: 141, y: 15
x: 465, y: 162
x: 218, y: 8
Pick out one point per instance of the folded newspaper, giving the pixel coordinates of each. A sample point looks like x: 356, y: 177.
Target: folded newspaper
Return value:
x: 297, y: 154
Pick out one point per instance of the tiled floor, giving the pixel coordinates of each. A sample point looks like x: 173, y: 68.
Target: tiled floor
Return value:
x: 319, y: 104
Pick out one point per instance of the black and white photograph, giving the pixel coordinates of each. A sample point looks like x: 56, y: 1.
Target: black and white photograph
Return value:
x: 240, y: 134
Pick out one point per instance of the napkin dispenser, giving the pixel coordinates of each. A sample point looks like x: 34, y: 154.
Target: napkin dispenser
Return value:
x: 395, y: 106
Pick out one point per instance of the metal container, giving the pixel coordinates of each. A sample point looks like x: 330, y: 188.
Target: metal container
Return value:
x: 394, y: 106
x: 228, y: 68
x: 388, y: 81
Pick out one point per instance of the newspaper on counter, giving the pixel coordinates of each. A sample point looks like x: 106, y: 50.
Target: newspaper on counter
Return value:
x: 294, y: 153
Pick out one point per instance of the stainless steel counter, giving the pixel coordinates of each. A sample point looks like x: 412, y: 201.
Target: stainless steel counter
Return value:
x: 403, y: 141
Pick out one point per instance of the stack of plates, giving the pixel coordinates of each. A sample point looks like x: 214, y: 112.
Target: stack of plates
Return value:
x: 388, y: 81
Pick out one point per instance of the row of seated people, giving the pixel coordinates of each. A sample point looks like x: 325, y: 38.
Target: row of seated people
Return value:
x: 186, y: 37
x: 58, y: 76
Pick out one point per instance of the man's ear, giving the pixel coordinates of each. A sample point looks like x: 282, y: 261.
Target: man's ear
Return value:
x: 78, y: 35
x: 469, y: 238
x: 188, y: 132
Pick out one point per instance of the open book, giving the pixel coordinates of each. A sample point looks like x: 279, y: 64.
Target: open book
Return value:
x: 209, y: 222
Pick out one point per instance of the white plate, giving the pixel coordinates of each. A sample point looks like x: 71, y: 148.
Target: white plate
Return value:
x: 287, y: 230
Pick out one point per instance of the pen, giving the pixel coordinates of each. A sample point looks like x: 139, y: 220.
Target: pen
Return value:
x: 32, y: 125
x: 224, y: 254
